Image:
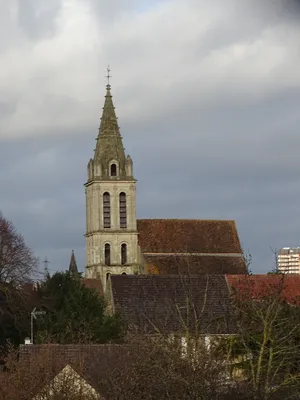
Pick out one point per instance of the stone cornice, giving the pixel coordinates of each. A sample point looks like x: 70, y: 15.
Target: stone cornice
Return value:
x: 110, y: 180
x: 124, y: 231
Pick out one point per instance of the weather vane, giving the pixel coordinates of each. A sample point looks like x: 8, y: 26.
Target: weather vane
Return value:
x: 108, y: 76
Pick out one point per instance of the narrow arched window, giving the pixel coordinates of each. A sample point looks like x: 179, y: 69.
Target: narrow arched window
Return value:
x: 107, y: 276
x: 123, y: 254
x: 123, y: 214
x: 106, y: 210
x: 113, y: 170
x: 107, y: 254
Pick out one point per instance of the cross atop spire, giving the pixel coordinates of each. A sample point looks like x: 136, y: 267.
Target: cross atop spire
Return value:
x: 108, y: 76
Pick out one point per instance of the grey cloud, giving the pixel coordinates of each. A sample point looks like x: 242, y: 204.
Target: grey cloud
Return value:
x: 199, y: 151
x: 7, y: 108
x: 108, y: 12
x: 37, y: 17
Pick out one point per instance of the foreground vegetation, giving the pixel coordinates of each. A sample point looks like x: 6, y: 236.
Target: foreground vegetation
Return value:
x: 261, y: 361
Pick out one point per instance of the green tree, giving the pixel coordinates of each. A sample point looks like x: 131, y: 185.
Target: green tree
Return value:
x: 74, y: 313
x: 14, y: 314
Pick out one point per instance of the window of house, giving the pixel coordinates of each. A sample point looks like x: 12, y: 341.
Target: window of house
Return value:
x: 107, y: 254
x: 123, y: 213
x: 113, y: 170
x: 106, y: 210
x: 123, y: 254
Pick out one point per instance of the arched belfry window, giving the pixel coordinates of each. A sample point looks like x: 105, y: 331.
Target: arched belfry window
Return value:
x: 106, y: 210
x: 113, y: 170
x: 124, y: 254
x: 123, y: 213
x: 107, y: 254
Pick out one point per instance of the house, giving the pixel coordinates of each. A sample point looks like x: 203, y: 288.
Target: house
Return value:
x: 68, y: 381
x: 197, y: 305
x: 259, y: 286
x: 50, y: 370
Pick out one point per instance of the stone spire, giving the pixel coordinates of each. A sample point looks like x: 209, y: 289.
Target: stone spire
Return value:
x: 109, y: 121
x: 73, y: 270
x: 109, y: 141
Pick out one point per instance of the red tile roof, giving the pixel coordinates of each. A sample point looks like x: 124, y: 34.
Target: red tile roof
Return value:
x: 93, y: 284
x: 188, y: 236
x: 185, y: 264
x: 259, y: 286
x: 172, y: 246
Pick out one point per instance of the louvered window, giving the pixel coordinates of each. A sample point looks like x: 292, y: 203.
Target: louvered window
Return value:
x: 123, y: 213
x: 107, y: 254
x: 123, y: 254
x: 106, y: 210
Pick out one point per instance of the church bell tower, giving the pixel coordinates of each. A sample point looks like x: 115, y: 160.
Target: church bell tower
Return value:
x: 111, y: 231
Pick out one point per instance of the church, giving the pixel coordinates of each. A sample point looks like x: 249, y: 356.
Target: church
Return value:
x: 118, y: 243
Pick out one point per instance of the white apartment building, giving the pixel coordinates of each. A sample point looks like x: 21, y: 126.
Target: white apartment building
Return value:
x: 288, y: 260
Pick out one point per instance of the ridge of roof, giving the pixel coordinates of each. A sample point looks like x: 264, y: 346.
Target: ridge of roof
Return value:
x: 186, y: 219
x: 165, y: 276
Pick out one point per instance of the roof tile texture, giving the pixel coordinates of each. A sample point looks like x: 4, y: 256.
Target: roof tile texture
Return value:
x: 174, y: 303
x: 175, y: 264
x: 89, y: 361
x: 95, y: 284
x: 188, y: 236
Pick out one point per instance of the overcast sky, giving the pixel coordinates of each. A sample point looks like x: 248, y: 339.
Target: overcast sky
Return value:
x: 208, y: 99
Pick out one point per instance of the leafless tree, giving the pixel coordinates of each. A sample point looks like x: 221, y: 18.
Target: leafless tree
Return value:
x: 17, y: 261
x: 260, y: 358
x: 267, y: 345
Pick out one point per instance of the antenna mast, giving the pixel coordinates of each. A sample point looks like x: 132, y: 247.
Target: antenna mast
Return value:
x: 46, y: 269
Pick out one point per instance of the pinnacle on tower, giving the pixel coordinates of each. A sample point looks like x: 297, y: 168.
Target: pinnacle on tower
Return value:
x: 73, y: 270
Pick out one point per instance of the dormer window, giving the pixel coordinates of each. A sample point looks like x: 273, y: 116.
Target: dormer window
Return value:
x: 113, y: 170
